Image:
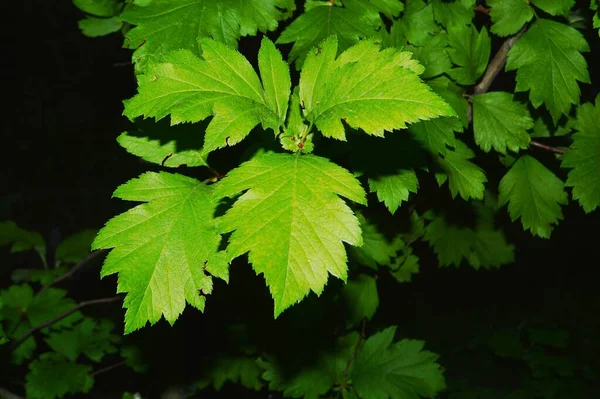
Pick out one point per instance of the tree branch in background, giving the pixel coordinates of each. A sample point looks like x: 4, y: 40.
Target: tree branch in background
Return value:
x: 74, y: 269
x: 107, y: 368
x: 61, y: 316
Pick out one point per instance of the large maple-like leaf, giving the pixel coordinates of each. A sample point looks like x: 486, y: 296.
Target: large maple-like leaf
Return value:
x: 222, y: 83
x: 584, y: 157
x: 368, y: 88
x: 291, y: 221
x: 165, y: 25
x: 549, y: 63
x: 163, y: 248
x: 534, y: 194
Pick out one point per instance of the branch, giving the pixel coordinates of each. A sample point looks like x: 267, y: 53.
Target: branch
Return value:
x: 494, y: 68
x: 74, y: 269
x: 61, y: 316
x: 546, y: 147
x: 107, y: 368
x: 360, y: 341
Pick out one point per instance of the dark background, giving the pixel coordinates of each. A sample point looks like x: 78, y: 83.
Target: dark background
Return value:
x: 62, y: 163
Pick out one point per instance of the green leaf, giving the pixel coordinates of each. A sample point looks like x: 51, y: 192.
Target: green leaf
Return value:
x: 239, y: 370
x: 3, y: 335
x: 361, y: 298
x: 291, y: 221
x: 469, y: 51
x: 96, y: 27
x: 163, y: 248
x: 165, y: 25
x: 464, y: 177
x: 152, y: 150
x: 405, y: 266
x: 91, y: 338
x: 133, y: 358
x: 355, y: 20
x: 457, y: 12
x: 509, y: 16
x: 583, y: 156
x: 390, y: 8
x: 50, y: 303
x: 433, y: 55
x: 99, y: 8
x: 393, y: 189
x: 52, y: 376
x: 223, y: 84
x: 312, y: 381
x: 554, y: 7
x: 376, y: 249
x: 549, y: 63
x: 370, y: 89
x: 418, y: 22
x: 383, y: 369
x: 499, y: 122
x: 76, y: 247
x: 21, y: 240
x: 534, y: 194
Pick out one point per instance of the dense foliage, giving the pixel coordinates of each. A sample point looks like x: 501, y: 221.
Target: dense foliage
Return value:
x: 378, y: 110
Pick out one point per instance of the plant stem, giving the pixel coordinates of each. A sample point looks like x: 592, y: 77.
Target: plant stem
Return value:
x: 107, y: 368
x: 356, y: 348
x: 546, y: 147
x: 74, y: 269
x: 61, y: 316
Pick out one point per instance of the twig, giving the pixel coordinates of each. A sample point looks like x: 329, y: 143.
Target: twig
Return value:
x: 5, y: 394
x: 61, y: 316
x: 74, y: 269
x: 107, y: 368
x: 546, y: 147
x: 494, y: 68
x: 360, y: 341
x: 482, y: 9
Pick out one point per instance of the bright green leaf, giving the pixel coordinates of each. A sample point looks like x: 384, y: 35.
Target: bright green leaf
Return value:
x: 370, y: 89
x: 509, y: 16
x: 469, y: 51
x: 155, y: 151
x: 534, y: 194
x: 162, y: 248
x: 584, y: 157
x: 393, y: 189
x: 499, y: 122
x: 549, y: 63
x: 464, y: 177
x: 384, y: 369
x: 355, y: 20
x: 554, y: 7
x: 52, y: 376
x: 223, y: 84
x: 291, y: 221
x: 165, y: 25
x: 457, y: 12
x: 361, y: 298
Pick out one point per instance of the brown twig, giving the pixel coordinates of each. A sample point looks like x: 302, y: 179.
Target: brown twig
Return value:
x: 494, y: 68
x: 61, y: 316
x: 74, y: 269
x: 482, y: 9
x: 357, y: 347
x: 546, y: 147
x: 107, y: 368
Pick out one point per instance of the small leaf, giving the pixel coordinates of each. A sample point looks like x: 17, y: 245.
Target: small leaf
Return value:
x: 361, y: 298
x: 549, y: 63
x: 469, y: 51
x: 554, y: 7
x: 52, y: 376
x: 534, y: 194
x: 584, y: 157
x: 291, y: 221
x: 393, y: 189
x: 96, y: 27
x: 500, y: 123
x: 464, y: 177
x: 76, y: 247
x: 164, y: 154
x: 509, y: 16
